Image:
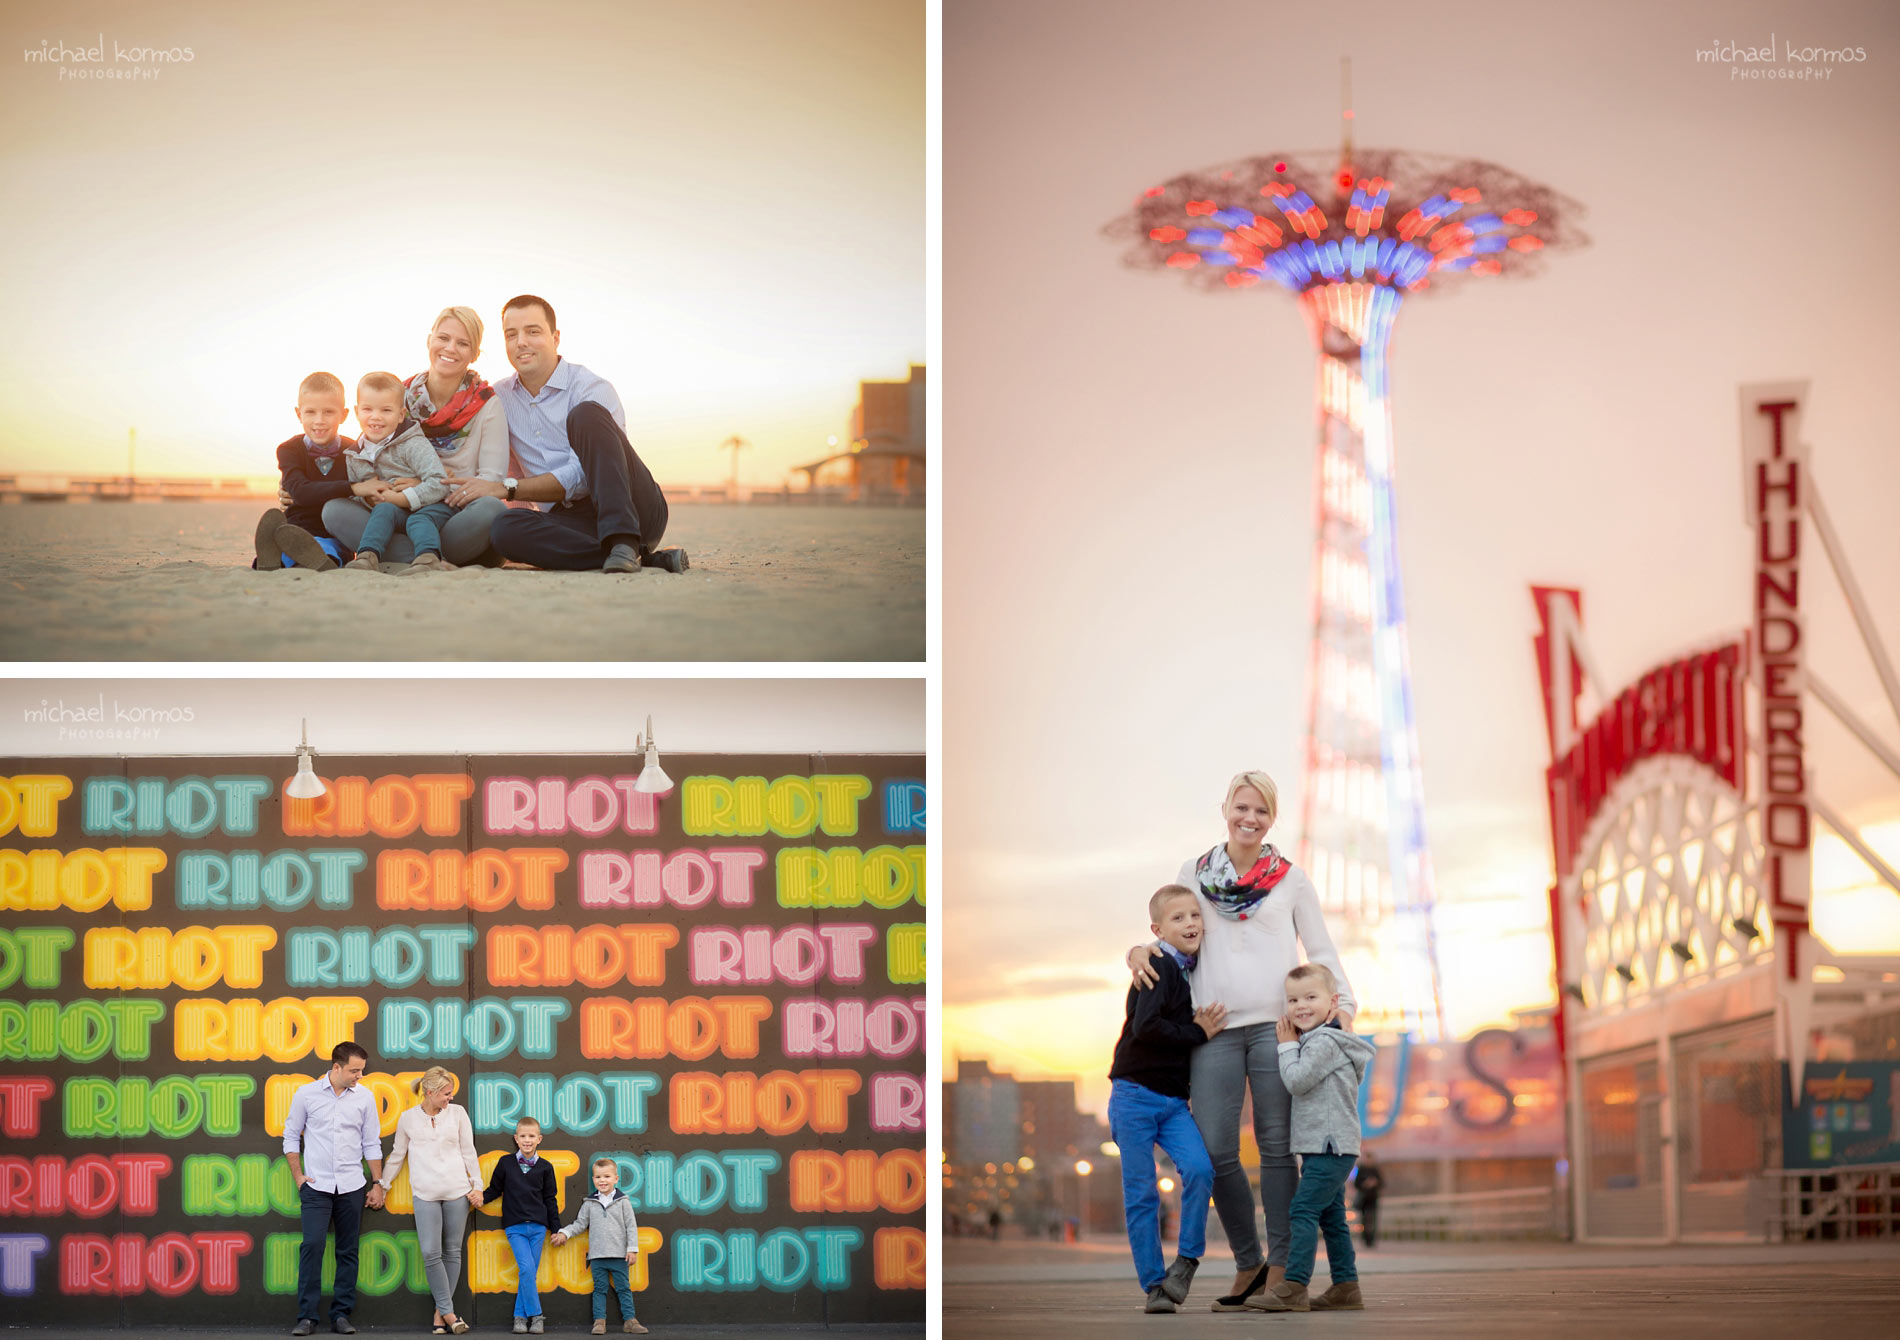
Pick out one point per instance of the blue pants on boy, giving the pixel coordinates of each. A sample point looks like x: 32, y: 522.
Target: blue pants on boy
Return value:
x: 1139, y: 1119
x: 610, y: 1275
x: 1319, y: 1206
x: 423, y: 526
x: 526, y: 1241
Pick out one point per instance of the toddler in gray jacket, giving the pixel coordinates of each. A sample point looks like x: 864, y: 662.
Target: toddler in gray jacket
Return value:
x: 410, y: 481
x: 613, y: 1244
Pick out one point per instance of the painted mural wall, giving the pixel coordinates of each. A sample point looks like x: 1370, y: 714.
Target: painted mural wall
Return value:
x: 720, y: 987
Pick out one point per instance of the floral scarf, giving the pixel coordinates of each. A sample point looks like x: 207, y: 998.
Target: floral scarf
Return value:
x: 446, y: 427
x: 1233, y: 895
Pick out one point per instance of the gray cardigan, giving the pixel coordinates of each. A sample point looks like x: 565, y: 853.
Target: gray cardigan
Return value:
x: 611, y: 1229
x: 407, y: 455
x: 1322, y: 1071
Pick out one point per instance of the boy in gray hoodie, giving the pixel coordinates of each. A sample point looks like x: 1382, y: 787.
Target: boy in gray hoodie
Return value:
x: 393, y: 450
x: 613, y: 1244
x: 1322, y: 1065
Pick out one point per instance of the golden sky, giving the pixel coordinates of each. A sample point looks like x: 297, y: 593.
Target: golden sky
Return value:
x: 1129, y: 507
x: 724, y: 201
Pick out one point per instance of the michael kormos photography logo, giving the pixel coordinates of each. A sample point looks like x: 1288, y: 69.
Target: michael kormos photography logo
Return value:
x: 106, y: 58
x: 103, y: 718
x: 1778, y: 58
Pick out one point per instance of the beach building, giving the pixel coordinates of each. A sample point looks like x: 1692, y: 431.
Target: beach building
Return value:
x: 884, y: 462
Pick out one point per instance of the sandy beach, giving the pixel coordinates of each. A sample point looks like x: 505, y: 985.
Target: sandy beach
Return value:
x: 169, y: 581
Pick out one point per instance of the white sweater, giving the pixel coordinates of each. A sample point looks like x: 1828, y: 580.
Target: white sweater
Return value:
x: 440, y: 1153
x: 1243, y: 964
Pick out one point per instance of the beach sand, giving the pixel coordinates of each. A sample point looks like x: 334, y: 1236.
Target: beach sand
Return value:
x: 168, y: 581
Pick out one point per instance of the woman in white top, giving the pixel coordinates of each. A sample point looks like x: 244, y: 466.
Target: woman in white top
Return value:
x: 1260, y: 911
x: 445, y: 1182
x: 464, y: 421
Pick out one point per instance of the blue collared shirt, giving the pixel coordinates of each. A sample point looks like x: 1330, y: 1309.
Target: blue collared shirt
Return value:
x: 537, y: 424
x: 334, y: 1133
x: 1186, y: 961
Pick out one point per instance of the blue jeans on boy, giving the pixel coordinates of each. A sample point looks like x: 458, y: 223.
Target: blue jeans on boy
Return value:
x: 423, y: 526
x: 610, y: 1275
x: 1319, y: 1206
x: 1139, y: 1119
x: 526, y: 1241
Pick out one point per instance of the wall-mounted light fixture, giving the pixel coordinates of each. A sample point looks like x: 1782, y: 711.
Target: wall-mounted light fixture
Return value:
x: 306, y: 785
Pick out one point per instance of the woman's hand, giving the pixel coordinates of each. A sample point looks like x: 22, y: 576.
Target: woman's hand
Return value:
x: 1343, y: 1017
x: 1211, y: 1018
x: 371, y: 489
x: 463, y: 490
x: 1139, y: 964
x: 475, y: 1200
x: 1284, y: 1031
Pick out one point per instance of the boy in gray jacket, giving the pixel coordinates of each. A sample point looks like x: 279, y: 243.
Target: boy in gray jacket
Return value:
x: 613, y: 1244
x: 393, y: 450
x: 1322, y: 1065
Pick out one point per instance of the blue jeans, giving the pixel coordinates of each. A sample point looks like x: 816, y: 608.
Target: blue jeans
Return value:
x: 1139, y: 1119
x: 1319, y: 1206
x: 526, y: 1241
x: 423, y: 526
x: 323, y: 1210
x: 610, y: 1274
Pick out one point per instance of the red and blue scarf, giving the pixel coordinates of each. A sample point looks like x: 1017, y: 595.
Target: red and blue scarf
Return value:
x: 1235, y: 896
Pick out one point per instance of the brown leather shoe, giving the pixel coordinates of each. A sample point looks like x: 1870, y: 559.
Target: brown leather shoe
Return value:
x: 1341, y: 1297
x: 1286, y: 1296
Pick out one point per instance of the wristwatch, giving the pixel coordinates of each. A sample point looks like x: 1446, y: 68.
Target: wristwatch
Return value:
x: 512, y: 485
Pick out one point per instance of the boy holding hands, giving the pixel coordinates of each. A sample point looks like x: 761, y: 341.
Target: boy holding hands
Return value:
x: 1322, y: 1065
x: 613, y: 1244
x: 1148, y: 1103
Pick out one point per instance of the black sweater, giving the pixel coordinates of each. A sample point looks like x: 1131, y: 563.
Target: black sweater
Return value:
x: 530, y: 1197
x: 310, y: 488
x: 1160, y: 1034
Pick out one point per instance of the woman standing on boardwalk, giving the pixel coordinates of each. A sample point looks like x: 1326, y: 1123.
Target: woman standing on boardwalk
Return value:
x: 1260, y: 912
x: 445, y: 1183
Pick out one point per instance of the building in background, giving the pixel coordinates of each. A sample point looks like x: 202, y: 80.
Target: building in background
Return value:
x: 884, y: 459
x: 1021, y: 1149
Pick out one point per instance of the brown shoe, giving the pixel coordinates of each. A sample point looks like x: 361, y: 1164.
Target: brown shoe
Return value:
x: 1341, y: 1297
x: 365, y: 561
x: 1286, y: 1296
x: 600, y: 1326
x: 632, y: 1327
x: 429, y: 561
x: 303, y: 548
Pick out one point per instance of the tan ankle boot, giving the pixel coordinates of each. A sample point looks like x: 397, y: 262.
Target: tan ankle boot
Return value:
x: 1285, y: 1296
x: 1341, y: 1297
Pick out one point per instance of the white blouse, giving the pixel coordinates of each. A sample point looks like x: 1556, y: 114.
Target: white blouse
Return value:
x: 440, y: 1151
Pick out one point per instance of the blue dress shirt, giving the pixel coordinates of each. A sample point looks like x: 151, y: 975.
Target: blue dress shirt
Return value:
x: 537, y: 424
x: 335, y: 1133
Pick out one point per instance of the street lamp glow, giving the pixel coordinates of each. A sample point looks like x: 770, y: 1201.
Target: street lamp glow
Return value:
x: 1083, y: 1167
x: 1111, y: 1150
x: 1167, y: 1184
x: 1026, y: 1163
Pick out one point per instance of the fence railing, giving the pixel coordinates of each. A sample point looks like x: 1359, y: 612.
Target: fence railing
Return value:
x: 1832, y: 1204
x: 1533, y: 1212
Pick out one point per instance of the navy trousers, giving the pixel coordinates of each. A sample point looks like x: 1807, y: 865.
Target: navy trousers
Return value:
x: 624, y: 505
x: 322, y: 1211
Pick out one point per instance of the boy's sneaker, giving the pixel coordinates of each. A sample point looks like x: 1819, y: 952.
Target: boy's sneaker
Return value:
x: 521, y: 1325
x: 1341, y: 1297
x: 536, y: 1325
x: 303, y: 548
x: 600, y: 1326
x: 632, y: 1327
x: 1158, y: 1300
x: 368, y: 563
x: 1286, y: 1296
x: 270, y: 554
x: 429, y: 561
x: 1180, y: 1275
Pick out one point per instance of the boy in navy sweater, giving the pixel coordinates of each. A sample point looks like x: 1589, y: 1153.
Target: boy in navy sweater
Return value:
x: 310, y: 471
x: 530, y: 1210
x: 1148, y: 1103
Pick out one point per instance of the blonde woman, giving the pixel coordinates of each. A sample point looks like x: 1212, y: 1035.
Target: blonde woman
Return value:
x: 1260, y: 911
x: 445, y: 1183
x: 464, y: 421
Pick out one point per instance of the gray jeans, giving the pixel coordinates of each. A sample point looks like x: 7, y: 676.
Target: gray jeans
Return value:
x: 464, y: 537
x: 439, y: 1228
x: 1225, y: 1067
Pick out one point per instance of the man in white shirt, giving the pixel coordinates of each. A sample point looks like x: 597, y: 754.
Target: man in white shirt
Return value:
x: 331, y: 1131
x: 597, y: 505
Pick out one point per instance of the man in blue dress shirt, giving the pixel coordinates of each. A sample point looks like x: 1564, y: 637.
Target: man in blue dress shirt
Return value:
x: 597, y: 506
x: 332, y: 1130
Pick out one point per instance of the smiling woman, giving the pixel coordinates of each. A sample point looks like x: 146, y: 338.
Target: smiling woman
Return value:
x: 466, y: 424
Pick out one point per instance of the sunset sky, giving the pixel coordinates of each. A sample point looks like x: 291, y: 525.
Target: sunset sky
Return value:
x: 1129, y: 496
x: 723, y: 200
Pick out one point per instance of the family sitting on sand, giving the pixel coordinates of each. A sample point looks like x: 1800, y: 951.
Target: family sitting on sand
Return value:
x: 445, y: 454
